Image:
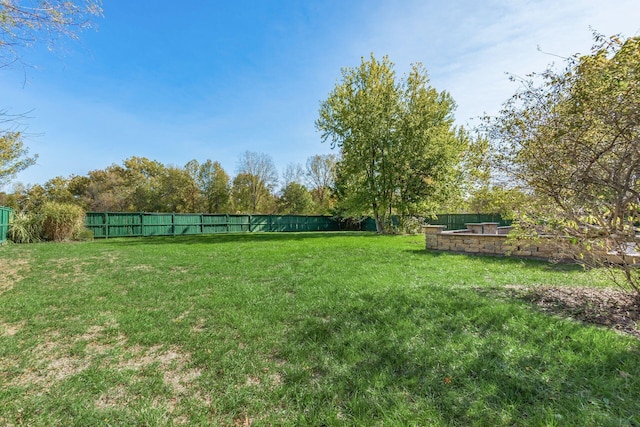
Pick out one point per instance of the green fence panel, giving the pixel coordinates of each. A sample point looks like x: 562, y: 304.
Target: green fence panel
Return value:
x: 123, y: 224
x: 187, y: 224
x: 239, y: 223
x: 129, y: 224
x: 158, y: 224
x: 458, y: 221
x: 261, y: 223
x: 5, y: 216
x: 96, y: 222
x: 280, y: 223
x: 215, y: 223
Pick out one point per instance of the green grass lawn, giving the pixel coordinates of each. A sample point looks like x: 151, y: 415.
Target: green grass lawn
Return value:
x: 297, y: 329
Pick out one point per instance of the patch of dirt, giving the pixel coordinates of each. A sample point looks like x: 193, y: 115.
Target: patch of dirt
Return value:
x: 69, y: 270
x: 12, y: 274
x: 612, y: 308
x: 11, y: 329
x: 183, y: 315
x: 200, y: 326
x: 141, y: 267
x: 116, y: 397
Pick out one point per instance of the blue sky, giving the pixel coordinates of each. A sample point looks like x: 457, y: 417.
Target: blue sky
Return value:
x: 175, y: 81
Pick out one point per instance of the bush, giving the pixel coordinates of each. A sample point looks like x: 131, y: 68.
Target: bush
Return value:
x: 61, y: 221
x: 25, y: 227
x: 411, y: 224
x: 83, y: 235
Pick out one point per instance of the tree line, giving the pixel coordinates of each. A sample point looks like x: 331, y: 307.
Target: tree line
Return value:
x: 143, y: 185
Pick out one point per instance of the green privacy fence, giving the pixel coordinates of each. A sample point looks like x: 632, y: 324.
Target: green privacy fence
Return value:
x: 131, y: 224
x: 136, y: 224
x: 5, y: 213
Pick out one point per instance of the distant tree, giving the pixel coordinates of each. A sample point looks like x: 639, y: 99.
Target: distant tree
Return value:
x: 292, y: 173
x: 250, y: 196
x: 106, y: 190
x: 499, y: 199
x: 571, y: 138
x: 134, y: 187
x: 259, y: 177
x: 77, y: 186
x: 57, y: 190
x: 320, y: 175
x: 399, y: 150
x: 213, y: 183
x: 295, y: 199
x: 142, y: 177
x: 31, y: 198
x: 9, y: 200
x: 17, y: 199
x: 177, y: 191
x: 482, y: 189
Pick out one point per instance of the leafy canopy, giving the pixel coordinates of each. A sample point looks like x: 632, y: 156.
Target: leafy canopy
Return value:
x: 572, y: 139
x: 399, y: 150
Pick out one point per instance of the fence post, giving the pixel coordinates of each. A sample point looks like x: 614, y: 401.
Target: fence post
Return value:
x: 5, y: 218
x: 106, y: 225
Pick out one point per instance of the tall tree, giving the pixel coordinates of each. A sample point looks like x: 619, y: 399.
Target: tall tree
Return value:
x: 260, y: 177
x: 571, y: 138
x: 429, y: 148
x: 213, y: 183
x: 320, y: 175
x: 295, y: 199
x: 57, y: 190
x: 177, y: 191
x: 142, y: 177
x: 106, y: 190
x: 398, y: 146
x: 251, y: 196
x: 293, y: 172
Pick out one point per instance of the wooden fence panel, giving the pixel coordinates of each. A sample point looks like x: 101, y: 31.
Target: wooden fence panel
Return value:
x: 5, y: 215
x: 132, y: 224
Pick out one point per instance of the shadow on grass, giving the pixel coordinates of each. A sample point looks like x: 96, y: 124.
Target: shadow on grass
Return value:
x: 453, y: 357
x: 499, y: 260
x: 233, y: 237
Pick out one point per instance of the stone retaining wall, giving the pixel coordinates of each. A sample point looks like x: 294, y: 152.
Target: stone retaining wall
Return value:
x: 485, y: 238
x: 490, y: 239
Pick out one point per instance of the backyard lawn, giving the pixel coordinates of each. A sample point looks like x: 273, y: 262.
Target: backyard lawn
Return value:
x: 299, y: 329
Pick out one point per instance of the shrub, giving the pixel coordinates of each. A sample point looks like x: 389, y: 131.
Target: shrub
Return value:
x: 25, y: 227
x: 83, y: 235
x: 61, y: 221
x: 410, y: 224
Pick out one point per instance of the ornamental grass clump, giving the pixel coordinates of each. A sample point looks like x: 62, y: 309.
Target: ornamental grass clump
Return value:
x: 25, y: 227
x: 61, y: 221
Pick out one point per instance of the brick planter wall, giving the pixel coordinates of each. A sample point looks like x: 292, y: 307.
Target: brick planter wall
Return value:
x: 473, y: 241
x: 489, y: 239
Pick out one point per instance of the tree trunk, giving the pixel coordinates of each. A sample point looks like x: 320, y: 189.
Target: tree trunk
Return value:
x: 379, y: 219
